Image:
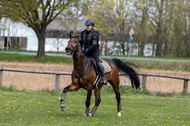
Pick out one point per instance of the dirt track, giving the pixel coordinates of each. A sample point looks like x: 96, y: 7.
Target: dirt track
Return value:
x: 40, y: 82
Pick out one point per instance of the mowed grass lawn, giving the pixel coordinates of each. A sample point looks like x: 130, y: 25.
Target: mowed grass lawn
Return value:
x: 42, y: 108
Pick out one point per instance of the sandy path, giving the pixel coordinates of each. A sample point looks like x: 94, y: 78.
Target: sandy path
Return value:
x: 43, y: 82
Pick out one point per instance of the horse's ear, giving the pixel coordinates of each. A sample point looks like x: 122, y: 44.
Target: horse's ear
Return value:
x: 70, y: 35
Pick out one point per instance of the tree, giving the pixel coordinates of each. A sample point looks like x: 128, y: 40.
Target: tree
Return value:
x: 141, y: 25
x: 156, y: 17
x: 187, y: 36
x: 152, y: 13
x: 181, y: 28
x: 112, y: 23
x: 71, y: 16
x: 57, y: 44
x: 104, y: 20
x: 2, y: 8
x: 37, y: 14
x: 176, y: 28
x: 122, y: 13
x: 2, y: 14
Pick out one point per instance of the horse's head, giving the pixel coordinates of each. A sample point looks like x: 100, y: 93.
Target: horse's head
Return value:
x: 72, y: 45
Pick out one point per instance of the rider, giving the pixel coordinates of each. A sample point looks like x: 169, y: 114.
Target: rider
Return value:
x: 90, y: 41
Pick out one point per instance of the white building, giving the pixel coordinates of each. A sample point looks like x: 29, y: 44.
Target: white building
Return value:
x: 56, y: 36
x: 10, y: 30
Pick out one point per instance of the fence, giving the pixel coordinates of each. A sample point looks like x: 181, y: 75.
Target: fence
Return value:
x: 57, y: 77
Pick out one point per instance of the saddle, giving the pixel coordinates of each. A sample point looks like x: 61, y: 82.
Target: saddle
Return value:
x: 107, y: 69
x: 106, y: 66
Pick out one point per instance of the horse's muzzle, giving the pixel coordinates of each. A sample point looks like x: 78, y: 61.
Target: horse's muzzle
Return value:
x: 68, y: 50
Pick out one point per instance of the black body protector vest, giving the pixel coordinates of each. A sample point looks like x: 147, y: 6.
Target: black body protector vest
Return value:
x: 90, y: 40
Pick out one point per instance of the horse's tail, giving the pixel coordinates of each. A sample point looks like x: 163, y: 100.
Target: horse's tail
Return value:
x: 130, y: 72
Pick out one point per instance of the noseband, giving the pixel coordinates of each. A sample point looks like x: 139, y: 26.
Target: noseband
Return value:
x: 73, y: 46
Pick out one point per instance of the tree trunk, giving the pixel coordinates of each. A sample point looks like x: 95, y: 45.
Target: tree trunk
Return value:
x: 159, y: 41
x: 142, y: 49
x: 188, y: 51
x: 41, y: 47
x: 106, y: 44
x: 188, y: 44
x: 101, y: 47
x: 75, y: 28
x: 41, y: 44
x: 76, y: 22
x: 128, y: 48
x: 159, y: 30
x: 153, y: 49
x: 123, y: 37
x: 123, y: 47
x: 143, y: 25
x: 165, y: 49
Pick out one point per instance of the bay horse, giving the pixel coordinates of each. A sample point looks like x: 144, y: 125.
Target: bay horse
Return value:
x: 84, y: 74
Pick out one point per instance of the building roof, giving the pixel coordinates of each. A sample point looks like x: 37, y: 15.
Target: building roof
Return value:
x: 59, y: 25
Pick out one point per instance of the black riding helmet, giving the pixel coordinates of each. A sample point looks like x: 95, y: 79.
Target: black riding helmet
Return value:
x: 89, y: 22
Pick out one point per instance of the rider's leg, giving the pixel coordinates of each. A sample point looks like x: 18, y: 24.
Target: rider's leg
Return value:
x: 100, y: 67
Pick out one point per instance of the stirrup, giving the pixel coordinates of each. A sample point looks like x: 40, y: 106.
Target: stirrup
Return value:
x: 104, y: 81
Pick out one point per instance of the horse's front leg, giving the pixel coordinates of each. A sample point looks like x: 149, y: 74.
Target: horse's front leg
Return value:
x: 89, y: 93
x: 97, y: 101
x: 71, y: 87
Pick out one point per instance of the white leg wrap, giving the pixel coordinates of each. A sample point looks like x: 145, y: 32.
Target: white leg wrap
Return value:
x: 119, y: 114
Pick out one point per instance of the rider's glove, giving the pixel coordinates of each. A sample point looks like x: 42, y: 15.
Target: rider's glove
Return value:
x: 86, y: 50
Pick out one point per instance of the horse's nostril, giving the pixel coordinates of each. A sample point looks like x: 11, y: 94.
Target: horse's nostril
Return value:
x: 67, y: 49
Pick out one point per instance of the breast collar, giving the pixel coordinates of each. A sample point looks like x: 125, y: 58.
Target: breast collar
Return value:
x: 77, y: 74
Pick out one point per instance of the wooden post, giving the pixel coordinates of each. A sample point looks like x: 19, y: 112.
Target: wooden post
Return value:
x: 57, y: 82
x: 144, y: 78
x: 185, y: 86
x: 1, y: 77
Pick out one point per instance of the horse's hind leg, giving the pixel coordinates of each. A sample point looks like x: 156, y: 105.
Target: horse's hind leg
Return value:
x: 97, y: 101
x: 71, y: 87
x: 115, y: 85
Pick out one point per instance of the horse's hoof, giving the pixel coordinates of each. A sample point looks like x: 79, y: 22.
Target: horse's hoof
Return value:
x: 84, y: 115
x: 119, y: 114
x: 63, y: 106
x: 90, y: 115
x: 63, y: 109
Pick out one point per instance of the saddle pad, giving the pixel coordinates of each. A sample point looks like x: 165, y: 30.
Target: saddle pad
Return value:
x: 107, y: 67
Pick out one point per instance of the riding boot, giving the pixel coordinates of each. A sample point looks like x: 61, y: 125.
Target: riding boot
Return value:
x: 101, y: 69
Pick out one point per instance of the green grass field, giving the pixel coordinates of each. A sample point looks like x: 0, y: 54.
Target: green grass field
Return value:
x: 22, y: 50
x: 26, y: 58
x: 172, y: 66
x: 42, y: 108
x: 163, y: 57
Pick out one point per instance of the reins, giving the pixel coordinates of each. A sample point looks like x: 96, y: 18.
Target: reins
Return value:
x: 75, y: 72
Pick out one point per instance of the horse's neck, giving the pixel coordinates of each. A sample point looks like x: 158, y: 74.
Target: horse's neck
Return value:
x: 79, y: 60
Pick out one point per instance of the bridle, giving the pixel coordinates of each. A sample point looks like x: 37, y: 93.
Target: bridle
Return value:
x: 73, y: 50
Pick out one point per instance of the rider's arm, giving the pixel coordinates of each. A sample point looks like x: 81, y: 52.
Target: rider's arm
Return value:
x: 94, y: 41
